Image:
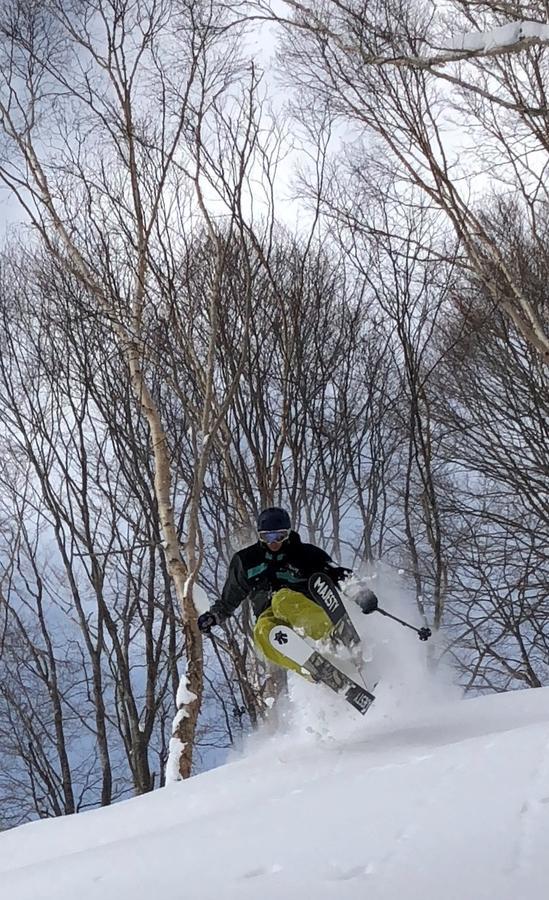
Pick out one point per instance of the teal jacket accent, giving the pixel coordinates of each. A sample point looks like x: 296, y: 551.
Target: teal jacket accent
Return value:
x: 256, y: 573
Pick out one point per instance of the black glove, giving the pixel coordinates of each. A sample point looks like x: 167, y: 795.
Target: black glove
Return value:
x: 367, y: 601
x: 206, y: 622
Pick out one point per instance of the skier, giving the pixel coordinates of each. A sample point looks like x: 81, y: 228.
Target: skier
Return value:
x: 274, y: 573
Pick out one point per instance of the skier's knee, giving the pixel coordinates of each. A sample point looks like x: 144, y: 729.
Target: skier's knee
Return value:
x: 299, y: 611
x: 285, y: 602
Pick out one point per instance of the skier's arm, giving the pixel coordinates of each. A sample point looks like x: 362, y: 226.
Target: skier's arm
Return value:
x: 235, y: 590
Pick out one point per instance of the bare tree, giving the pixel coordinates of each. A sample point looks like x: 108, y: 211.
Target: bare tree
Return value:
x: 78, y: 479
x: 494, y: 408
x: 111, y: 139
x: 387, y: 68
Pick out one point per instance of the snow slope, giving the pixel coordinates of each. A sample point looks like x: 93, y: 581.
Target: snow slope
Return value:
x: 451, y: 803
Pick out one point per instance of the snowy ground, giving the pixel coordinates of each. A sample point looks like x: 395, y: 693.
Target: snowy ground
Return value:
x: 436, y: 798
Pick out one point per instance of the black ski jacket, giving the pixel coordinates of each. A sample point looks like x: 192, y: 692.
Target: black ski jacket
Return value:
x: 255, y: 572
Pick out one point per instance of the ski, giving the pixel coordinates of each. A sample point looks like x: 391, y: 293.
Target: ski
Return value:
x: 291, y: 645
x: 324, y: 591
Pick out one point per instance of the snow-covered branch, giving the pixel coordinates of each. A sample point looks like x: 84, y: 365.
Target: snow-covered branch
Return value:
x: 510, y: 38
x: 513, y: 37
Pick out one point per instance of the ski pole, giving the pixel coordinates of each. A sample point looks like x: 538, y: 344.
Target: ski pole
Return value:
x: 423, y: 633
x: 238, y: 710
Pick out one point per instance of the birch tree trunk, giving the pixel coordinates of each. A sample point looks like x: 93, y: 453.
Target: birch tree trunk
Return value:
x: 109, y: 202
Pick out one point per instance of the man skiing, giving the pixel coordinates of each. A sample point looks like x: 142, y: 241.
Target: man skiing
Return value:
x: 274, y: 573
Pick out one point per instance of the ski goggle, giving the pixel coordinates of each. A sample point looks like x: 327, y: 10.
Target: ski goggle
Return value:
x: 274, y: 537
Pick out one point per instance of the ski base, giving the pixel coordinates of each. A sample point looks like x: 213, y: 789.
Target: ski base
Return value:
x: 325, y: 593
x: 289, y: 644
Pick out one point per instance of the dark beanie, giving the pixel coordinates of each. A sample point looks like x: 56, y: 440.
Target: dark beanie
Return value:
x: 273, y: 518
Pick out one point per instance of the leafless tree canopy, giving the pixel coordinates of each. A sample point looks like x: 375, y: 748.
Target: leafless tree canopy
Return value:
x: 176, y: 352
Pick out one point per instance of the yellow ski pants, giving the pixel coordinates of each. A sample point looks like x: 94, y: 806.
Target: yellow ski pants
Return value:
x: 294, y: 609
